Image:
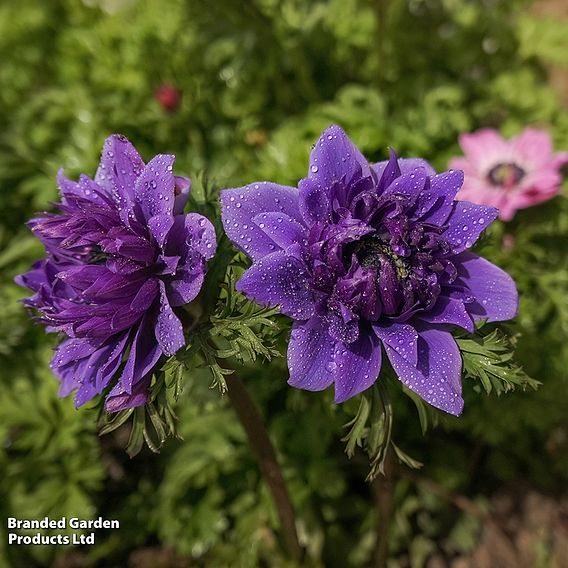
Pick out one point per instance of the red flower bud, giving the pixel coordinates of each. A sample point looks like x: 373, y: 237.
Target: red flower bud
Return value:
x: 168, y: 97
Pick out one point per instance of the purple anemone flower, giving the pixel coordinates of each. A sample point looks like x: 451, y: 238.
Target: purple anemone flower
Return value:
x: 362, y: 256
x: 121, y: 256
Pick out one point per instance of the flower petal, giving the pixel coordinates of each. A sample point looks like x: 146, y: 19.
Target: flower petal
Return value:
x: 494, y: 290
x: 160, y: 226
x: 310, y: 356
x: 357, y: 366
x: 466, y: 223
x: 185, y: 287
x: 145, y: 295
x: 168, y: 329
x: 434, y: 205
x: 143, y: 356
x: 437, y: 376
x: 101, y: 367
x: 118, y: 399
x: 406, y: 165
x: 532, y: 148
x: 315, y: 204
x: 66, y: 358
x: 181, y: 192
x: 390, y: 172
x: 85, y: 188
x: 400, y: 337
x: 449, y: 311
x: 119, y: 168
x: 198, y: 232
x: 283, y: 230
x: 335, y: 158
x: 154, y: 189
x: 279, y: 280
x: 240, y: 205
x: 409, y: 184
x: 485, y: 148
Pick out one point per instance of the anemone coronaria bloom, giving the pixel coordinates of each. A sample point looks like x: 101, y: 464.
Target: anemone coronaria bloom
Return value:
x: 509, y: 174
x: 121, y: 258
x: 365, y: 259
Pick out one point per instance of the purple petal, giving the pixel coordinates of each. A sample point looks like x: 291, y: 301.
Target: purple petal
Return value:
x: 408, y: 184
x: 119, y: 168
x: 335, y: 158
x: 437, y: 376
x: 357, y: 366
x: 494, y: 290
x: 66, y: 358
x: 315, y: 204
x: 198, y: 233
x: 118, y: 399
x: 160, y: 226
x: 240, y: 205
x: 449, y: 311
x: 283, y: 230
x: 434, y: 205
x: 279, y: 280
x: 101, y: 367
x: 154, y: 189
x: 145, y: 295
x: 185, y: 287
x: 390, y: 172
x: 85, y: 188
x: 143, y: 356
x: 70, y: 376
x: 407, y: 166
x: 466, y: 222
x: 310, y: 356
x: 342, y: 325
x: 129, y: 246
x: 34, y: 278
x: 168, y: 330
x: 181, y: 193
x: 400, y: 337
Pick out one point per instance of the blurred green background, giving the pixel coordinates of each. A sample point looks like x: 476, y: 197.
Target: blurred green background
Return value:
x: 259, y: 80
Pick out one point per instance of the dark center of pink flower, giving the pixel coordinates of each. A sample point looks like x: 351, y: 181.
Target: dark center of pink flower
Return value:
x: 506, y: 175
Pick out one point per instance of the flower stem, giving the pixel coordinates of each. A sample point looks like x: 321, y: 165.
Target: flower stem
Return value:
x: 263, y: 450
x: 382, y: 489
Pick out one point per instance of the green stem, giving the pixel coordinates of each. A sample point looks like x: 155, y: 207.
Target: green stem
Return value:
x: 263, y: 450
x: 382, y: 488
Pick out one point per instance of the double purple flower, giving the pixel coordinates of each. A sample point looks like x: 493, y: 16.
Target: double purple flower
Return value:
x: 362, y: 256
x: 121, y: 256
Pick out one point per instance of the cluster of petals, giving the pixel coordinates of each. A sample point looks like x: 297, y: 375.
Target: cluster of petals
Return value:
x: 121, y: 260
x: 509, y: 174
x: 369, y: 260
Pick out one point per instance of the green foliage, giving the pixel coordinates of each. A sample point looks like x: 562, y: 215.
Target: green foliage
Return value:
x: 260, y: 79
x: 488, y: 357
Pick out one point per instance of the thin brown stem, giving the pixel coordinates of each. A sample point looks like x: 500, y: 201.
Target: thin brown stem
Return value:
x: 382, y: 488
x: 263, y: 450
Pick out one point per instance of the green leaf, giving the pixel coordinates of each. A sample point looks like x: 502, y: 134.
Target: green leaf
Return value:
x: 488, y: 357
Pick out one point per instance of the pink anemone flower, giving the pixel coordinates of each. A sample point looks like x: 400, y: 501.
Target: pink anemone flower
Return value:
x: 509, y: 174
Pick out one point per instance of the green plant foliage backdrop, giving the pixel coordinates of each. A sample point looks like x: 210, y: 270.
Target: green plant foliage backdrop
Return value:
x: 260, y: 79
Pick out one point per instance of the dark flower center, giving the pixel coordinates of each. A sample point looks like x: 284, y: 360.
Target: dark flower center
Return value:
x: 96, y: 255
x: 506, y: 175
x: 372, y: 252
